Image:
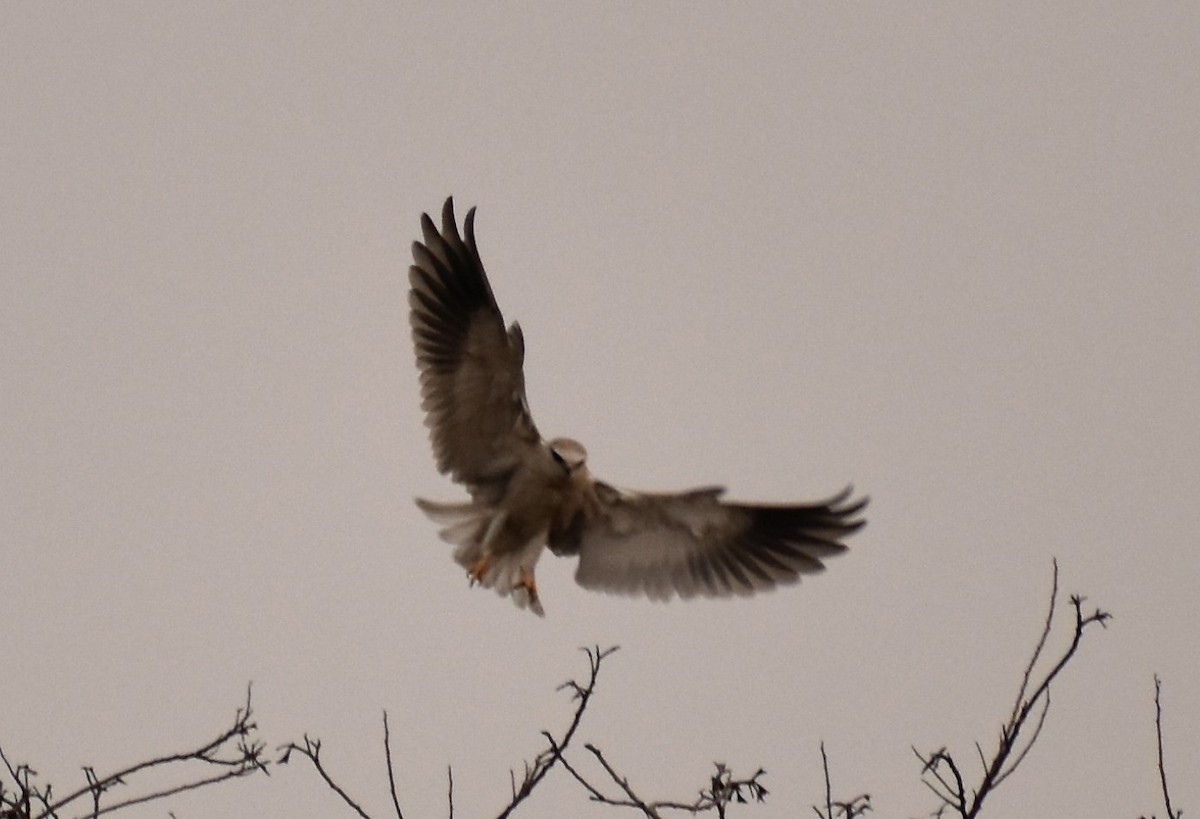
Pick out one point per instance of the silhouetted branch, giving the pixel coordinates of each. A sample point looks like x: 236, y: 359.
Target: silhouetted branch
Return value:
x: 20, y: 804
x: 1030, y: 710
x: 546, y: 760
x: 846, y: 810
x: 311, y: 750
x: 632, y: 800
x: 722, y: 790
x: 1162, y: 768
x: 535, y: 772
x: 951, y: 795
x: 235, y: 752
x: 387, y: 753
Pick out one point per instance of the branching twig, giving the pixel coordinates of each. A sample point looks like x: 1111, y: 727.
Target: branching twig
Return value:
x: 846, y: 810
x: 543, y: 762
x: 1162, y: 768
x: 20, y: 804
x: 535, y: 772
x: 952, y: 796
x: 311, y: 749
x: 1011, y: 750
x: 632, y: 799
x: 235, y: 752
x: 723, y: 788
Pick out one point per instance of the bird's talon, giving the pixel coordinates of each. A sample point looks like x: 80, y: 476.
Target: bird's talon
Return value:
x: 529, y: 584
x: 479, y: 569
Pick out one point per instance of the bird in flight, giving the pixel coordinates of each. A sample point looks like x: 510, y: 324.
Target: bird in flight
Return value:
x: 529, y: 493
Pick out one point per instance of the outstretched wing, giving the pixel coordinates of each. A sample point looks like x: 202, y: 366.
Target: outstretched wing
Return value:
x: 472, y: 384
x: 693, y: 543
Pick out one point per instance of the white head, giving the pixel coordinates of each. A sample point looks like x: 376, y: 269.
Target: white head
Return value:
x: 569, y: 454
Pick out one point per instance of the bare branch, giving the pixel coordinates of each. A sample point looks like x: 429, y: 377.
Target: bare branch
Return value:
x: 235, y: 752
x: 21, y: 803
x: 633, y: 800
x: 828, y: 785
x: 593, y: 793
x: 846, y: 810
x: 387, y: 753
x: 952, y: 796
x: 1033, y: 697
x: 1041, y: 645
x: 722, y: 789
x: 1037, y: 730
x: 1162, y: 769
x: 140, y: 800
x: 543, y: 762
x: 311, y: 749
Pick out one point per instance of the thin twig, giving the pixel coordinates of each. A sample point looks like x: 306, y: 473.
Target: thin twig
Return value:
x: 1010, y: 751
x: 387, y: 753
x: 593, y: 794
x: 623, y: 784
x: 150, y: 797
x: 246, y: 760
x: 954, y: 796
x: 1162, y: 770
x: 722, y: 789
x: 1037, y: 730
x: 1041, y: 644
x: 828, y: 785
x: 26, y: 792
x: 849, y: 810
x: 312, y: 750
x: 545, y: 761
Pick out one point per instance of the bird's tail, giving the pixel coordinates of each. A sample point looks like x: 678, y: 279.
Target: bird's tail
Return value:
x: 470, y: 528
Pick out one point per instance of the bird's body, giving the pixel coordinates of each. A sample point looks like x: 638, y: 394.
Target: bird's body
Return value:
x: 528, y: 493
x: 499, y: 542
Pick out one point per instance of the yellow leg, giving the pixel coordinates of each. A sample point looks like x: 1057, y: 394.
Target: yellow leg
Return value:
x: 529, y: 584
x: 477, y: 571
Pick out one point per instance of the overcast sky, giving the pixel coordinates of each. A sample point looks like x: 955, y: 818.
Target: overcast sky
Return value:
x: 949, y: 253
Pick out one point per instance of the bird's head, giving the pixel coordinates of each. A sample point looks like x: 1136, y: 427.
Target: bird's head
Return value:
x: 569, y: 454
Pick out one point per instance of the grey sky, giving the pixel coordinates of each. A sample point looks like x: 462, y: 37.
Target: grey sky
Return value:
x: 948, y: 253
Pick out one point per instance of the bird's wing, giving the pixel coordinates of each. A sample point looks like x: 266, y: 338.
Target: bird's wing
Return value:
x: 472, y: 385
x: 693, y: 543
